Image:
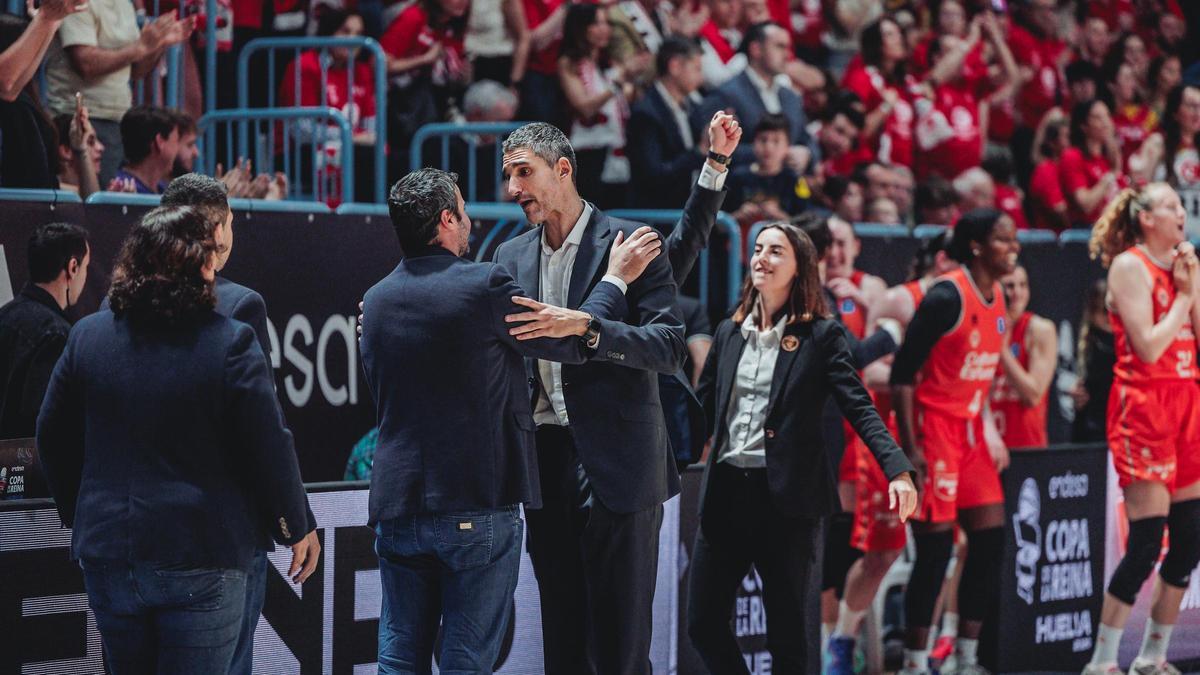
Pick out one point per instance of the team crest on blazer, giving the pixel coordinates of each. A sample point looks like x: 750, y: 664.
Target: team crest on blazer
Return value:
x: 790, y: 343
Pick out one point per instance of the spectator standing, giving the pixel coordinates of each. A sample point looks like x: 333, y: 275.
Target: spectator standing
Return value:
x: 1035, y: 44
x: 427, y: 64
x: 1133, y: 120
x: 498, y: 41
x: 343, y: 68
x: 597, y: 98
x: 1089, y: 169
x: 28, y: 153
x: 1166, y: 73
x: 541, y: 95
x: 34, y: 325
x: 760, y: 90
x: 664, y: 153
x: 150, y: 138
x: 1171, y: 155
x: 98, y: 52
x: 719, y: 40
x: 1047, y: 205
x: 882, y: 82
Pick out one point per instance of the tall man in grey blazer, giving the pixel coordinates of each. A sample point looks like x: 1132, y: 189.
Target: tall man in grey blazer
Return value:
x: 604, y: 455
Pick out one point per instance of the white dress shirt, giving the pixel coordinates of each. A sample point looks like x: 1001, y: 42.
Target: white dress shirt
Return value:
x: 555, y: 281
x: 745, y: 444
x: 767, y: 91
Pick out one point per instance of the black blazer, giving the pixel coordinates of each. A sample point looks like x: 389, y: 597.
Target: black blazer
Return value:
x: 684, y: 244
x: 739, y: 95
x: 450, y: 388
x: 246, y: 305
x: 662, y: 165
x: 169, y: 445
x: 801, y: 477
x: 612, y: 399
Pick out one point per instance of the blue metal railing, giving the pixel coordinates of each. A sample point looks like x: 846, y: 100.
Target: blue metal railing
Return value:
x: 301, y: 129
x: 469, y: 134
x: 724, y: 222
x: 297, y: 45
x: 46, y: 196
x: 166, y: 87
x: 249, y: 205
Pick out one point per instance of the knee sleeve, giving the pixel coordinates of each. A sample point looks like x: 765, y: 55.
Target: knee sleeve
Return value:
x: 980, y: 585
x: 1141, y: 552
x: 1183, y: 522
x: 928, y: 573
x: 839, y: 554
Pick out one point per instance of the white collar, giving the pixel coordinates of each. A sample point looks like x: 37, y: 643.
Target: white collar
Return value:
x: 759, y: 83
x: 769, y: 337
x: 576, y: 234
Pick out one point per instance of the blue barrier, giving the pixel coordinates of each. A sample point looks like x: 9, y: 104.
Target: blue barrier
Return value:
x: 165, y: 87
x: 247, y: 205
x: 468, y: 133
x: 323, y: 44
x: 45, y: 196
x: 291, y: 143
x: 724, y: 222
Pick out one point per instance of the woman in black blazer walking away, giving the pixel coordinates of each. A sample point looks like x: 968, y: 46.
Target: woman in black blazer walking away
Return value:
x: 768, y: 482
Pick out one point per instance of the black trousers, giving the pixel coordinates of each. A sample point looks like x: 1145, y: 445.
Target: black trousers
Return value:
x: 595, y: 569
x: 740, y: 527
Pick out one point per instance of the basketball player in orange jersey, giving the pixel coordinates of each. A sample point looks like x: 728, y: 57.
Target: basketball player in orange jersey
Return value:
x: 1152, y: 425
x: 855, y: 292
x: 1021, y: 392
x: 879, y: 536
x: 954, y: 343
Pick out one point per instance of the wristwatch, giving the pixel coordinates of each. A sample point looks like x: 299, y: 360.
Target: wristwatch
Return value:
x: 718, y: 158
x: 591, y: 337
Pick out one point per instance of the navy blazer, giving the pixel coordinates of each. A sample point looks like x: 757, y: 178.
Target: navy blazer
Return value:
x: 246, y: 305
x: 662, y: 165
x: 168, y: 445
x: 801, y: 476
x: 739, y: 95
x: 449, y: 383
x: 612, y: 400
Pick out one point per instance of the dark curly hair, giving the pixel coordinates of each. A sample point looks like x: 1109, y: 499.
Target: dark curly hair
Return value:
x: 157, y: 280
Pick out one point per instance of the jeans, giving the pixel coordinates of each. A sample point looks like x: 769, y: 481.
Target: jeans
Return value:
x: 158, y: 618
x: 459, y: 567
x: 256, y: 594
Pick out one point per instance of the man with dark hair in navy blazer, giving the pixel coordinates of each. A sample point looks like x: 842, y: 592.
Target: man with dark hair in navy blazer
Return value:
x: 209, y: 196
x: 603, y: 451
x: 442, y: 345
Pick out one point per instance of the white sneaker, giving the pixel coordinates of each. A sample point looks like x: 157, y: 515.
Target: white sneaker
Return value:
x: 1142, y: 666
x: 949, y: 665
x: 1102, y: 669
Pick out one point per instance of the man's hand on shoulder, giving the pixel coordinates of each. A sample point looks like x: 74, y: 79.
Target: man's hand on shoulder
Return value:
x: 630, y: 257
x: 547, y: 321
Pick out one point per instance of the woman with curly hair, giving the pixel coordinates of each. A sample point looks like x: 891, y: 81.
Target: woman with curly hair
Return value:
x: 165, y: 449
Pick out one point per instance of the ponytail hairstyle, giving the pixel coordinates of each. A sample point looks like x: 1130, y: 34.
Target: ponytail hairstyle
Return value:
x: 1118, y: 228
x: 973, y: 227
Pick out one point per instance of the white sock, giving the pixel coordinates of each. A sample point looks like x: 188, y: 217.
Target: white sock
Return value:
x: 1155, y: 640
x: 916, y: 659
x: 1108, y: 640
x: 967, y: 651
x: 848, y: 621
x: 949, y: 625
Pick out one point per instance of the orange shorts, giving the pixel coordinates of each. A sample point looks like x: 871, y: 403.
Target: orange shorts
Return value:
x: 876, y: 527
x: 959, y: 470
x: 1154, y: 432
x: 848, y: 469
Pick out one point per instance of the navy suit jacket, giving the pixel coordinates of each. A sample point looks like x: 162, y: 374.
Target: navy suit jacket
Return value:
x: 662, y: 164
x: 739, y: 95
x: 168, y: 445
x: 450, y: 387
x: 616, y: 417
x: 246, y: 305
